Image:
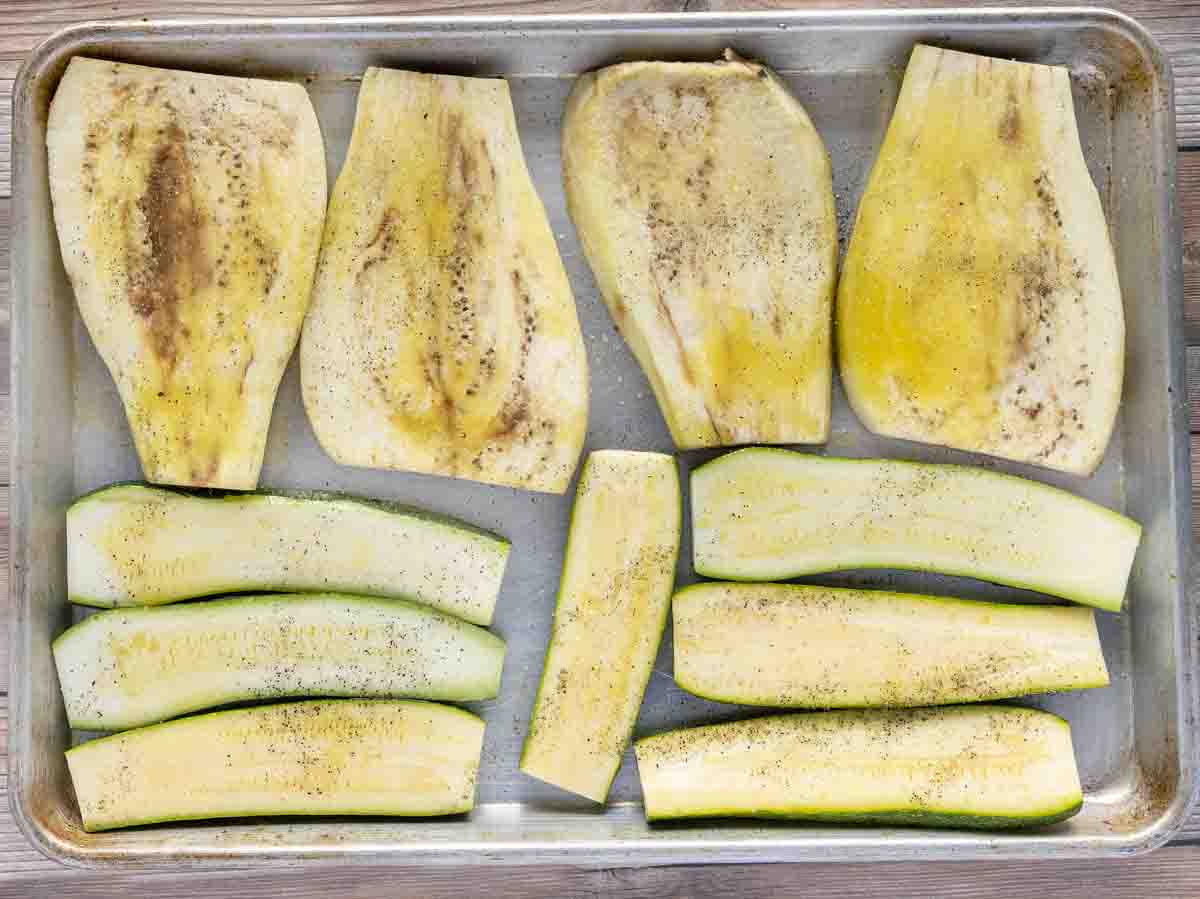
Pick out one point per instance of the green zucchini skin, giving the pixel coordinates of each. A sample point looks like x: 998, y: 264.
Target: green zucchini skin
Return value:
x: 383, y: 505
x: 767, y: 514
x: 785, y: 646
x: 322, y: 757
x: 977, y: 767
x: 130, y: 544
x: 927, y: 820
x: 126, y: 668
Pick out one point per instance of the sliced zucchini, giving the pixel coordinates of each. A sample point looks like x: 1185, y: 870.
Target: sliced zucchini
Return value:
x: 612, y: 609
x: 825, y: 647
x: 326, y: 757
x: 703, y: 198
x: 133, y: 545
x: 189, y: 211
x: 130, y: 667
x: 979, y: 305
x: 443, y: 336
x: 769, y: 514
x: 971, y: 766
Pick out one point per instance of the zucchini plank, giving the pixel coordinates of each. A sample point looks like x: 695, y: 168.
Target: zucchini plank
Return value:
x: 763, y: 514
x: 326, y: 757
x: 135, y: 545
x: 969, y: 766
x: 824, y: 647
x: 130, y: 667
x: 612, y: 609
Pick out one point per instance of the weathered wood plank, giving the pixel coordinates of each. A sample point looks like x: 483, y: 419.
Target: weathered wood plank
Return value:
x: 5, y: 351
x: 6, y: 89
x: 1193, y: 382
x: 1188, y: 192
x: 5, y: 601
x: 1196, y: 539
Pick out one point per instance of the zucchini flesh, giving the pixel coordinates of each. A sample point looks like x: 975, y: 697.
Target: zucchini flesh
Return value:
x: 134, y: 545
x: 612, y: 609
x: 326, y: 757
x: 969, y: 766
x: 130, y: 667
x: 769, y: 514
x: 786, y: 646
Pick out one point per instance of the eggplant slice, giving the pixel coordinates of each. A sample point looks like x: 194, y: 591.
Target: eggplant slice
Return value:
x: 443, y: 336
x: 979, y: 306
x: 189, y: 211
x: 703, y: 197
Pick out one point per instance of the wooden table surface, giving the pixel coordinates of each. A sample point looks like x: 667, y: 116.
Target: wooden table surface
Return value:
x: 1170, y: 872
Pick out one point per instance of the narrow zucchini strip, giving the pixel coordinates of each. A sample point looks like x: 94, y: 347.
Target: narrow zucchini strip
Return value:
x: 612, y: 609
x: 969, y: 766
x: 134, y: 545
x: 130, y: 667
x: 795, y: 646
x: 764, y: 514
x: 329, y: 757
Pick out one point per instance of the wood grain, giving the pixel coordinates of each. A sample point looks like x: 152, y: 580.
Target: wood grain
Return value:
x: 1172, y: 872
x: 1188, y: 192
x: 1193, y: 382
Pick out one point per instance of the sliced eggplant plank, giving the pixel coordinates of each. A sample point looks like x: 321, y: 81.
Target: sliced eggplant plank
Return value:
x: 703, y: 198
x: 979, y: 305
x: 443, y: 336
x: 189, y: 211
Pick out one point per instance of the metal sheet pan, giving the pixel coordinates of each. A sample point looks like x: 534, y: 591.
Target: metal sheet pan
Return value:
x: 1134, y: 739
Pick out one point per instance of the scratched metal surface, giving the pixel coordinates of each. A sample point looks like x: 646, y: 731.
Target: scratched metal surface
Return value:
x: 1132, y: 739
